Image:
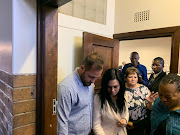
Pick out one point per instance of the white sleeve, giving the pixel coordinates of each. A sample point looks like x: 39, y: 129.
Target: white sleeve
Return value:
x: 125, y: 113
x: 126, y: 96
x: 97, y: 127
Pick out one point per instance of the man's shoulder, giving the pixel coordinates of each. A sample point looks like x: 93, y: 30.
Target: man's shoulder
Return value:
x: 68, y: 81
x: 163, y: 74
x: 142, y: 66
x: 127, y: 65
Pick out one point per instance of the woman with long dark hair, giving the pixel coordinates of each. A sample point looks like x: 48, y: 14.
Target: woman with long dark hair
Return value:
x: 110, y: 110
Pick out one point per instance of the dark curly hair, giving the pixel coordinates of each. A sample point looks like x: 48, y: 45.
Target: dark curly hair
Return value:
x: 112, y: 74
x: 171, y: 79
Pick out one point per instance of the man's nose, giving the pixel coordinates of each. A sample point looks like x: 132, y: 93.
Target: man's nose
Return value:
x: 93, y: 80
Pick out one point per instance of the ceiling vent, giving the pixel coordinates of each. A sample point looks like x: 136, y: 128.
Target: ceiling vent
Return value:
x: 141, y: 16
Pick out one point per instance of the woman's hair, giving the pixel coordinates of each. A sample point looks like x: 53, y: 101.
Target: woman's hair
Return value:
x: 171, y: 79
x: 131, y: 70
x: 109, y: 75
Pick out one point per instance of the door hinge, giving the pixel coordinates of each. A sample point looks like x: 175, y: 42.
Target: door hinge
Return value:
x: 55, y: 102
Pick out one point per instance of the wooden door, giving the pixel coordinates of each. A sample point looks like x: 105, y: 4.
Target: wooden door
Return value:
x: 107, y: 47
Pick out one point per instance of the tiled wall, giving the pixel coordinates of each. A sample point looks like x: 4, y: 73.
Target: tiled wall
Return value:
x: 17, y: 104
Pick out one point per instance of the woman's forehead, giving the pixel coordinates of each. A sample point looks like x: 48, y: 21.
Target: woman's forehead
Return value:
x: 168, y: 88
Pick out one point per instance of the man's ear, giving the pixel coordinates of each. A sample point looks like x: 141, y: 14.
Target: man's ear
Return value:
x: 82, y: 67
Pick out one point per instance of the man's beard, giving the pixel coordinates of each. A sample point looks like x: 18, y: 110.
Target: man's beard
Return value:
x: 83, y: 79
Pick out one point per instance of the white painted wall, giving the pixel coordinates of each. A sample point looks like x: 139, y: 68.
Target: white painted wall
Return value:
x: 70, y: 31
x: 6, y: 35
x: 163, y: 13
x: 148, y: 49
x: 24, y: 37
x: 6, y: 21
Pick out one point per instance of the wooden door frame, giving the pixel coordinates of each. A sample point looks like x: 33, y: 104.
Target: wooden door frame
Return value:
x: 173, y: 32
x: 47, y: 54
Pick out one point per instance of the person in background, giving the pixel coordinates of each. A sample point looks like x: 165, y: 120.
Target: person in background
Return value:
x: 158, y: 74
x: 134, y: 57
x: 110, y: 115
x: 165, y: 115
x: 75, y: 97
x: 121, y: 66
x: 139, y: 101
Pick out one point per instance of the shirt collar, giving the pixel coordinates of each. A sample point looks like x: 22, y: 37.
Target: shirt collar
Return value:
x: 178, y: 111
x: 155, y: 75
x: 139, y: 65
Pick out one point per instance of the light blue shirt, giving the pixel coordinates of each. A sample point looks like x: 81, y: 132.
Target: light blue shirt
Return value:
x: 74, y: 109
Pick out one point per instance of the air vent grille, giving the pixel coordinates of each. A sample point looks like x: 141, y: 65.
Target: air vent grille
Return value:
x: 142, y: 16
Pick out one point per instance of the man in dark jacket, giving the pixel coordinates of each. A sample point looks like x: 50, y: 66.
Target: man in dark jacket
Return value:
x: 157, y: 75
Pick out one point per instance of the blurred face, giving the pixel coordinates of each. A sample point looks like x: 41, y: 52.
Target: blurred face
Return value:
x: 134, y: 59
x: 170, y: 96
x: 113, y: 87
x: 90, y: 76
x: 157, y: 66
x: 123, y: 62
x: 132, y: 79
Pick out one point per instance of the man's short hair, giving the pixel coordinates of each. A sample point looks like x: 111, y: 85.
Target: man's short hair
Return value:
x: 161, y: 60
x: 93, y: 59
x: 171, y: 79
x: 134, y: 53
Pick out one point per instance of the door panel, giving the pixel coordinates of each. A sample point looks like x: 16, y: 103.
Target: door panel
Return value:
x: 107, y: 47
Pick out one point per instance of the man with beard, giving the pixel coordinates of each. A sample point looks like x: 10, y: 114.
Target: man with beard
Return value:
x: 75, y: 97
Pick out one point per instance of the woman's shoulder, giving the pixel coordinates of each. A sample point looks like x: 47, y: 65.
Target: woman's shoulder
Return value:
x: 142, y: 86
x: 144, y: 89
x: 97, y: 98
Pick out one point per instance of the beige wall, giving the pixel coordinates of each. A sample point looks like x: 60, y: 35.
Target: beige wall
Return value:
x: 24, y: 36
x: 163, y: 13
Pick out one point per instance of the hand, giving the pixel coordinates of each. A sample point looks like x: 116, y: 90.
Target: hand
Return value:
x: 130, y: 125
x: 152, y: 97
x: 122, y: 123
